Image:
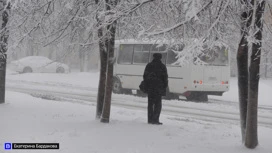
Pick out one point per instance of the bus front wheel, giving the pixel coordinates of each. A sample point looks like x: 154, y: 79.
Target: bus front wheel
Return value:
x: 117, y: 87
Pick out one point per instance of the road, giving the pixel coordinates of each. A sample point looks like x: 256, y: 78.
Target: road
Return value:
x: 209, y: 111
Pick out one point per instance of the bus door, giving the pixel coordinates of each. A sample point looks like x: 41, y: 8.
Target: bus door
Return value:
x: 124, y: 69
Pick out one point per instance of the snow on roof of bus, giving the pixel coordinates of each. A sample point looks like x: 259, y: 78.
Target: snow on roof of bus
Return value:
x: 144, y: 41
x: 170, y: 42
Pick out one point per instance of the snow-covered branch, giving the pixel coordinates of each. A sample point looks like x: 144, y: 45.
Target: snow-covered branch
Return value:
x: 159, y: 32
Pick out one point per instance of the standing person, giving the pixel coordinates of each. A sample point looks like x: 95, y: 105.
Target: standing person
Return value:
x: 156, y: 78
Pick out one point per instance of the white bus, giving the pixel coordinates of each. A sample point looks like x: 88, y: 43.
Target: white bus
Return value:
x: 193, y: 81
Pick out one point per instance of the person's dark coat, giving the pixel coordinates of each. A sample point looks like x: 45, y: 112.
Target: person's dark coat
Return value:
x: 156, y: 77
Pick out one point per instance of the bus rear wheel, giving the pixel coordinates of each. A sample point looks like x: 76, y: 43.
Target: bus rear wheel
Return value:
x: 197, y: 96
x: 169, y: 95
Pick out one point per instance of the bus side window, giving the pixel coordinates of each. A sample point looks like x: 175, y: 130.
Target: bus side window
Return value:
x: 173, y: 52
x: 141, y: 54
x: 156, y: 48
x: 125, y: 54
x: 171, y: 57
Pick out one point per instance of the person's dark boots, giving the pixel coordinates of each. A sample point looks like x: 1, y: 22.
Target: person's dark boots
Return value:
x: 157, y: 123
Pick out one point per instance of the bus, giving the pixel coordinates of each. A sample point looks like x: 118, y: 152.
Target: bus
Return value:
x: 192, y: 80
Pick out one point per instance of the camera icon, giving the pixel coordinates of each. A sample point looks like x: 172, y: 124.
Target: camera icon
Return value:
x: 8, y: 146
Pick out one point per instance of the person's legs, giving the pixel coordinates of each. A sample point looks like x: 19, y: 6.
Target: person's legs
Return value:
x: 150, y: 108
x: 157, y: 109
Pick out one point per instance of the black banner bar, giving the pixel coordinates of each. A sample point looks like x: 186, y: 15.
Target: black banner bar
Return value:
x: 35, y: 145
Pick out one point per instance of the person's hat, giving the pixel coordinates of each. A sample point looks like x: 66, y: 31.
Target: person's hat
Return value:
x: 157, y: 55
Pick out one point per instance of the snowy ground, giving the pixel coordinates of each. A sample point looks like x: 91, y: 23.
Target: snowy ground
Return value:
x: 73, y: 125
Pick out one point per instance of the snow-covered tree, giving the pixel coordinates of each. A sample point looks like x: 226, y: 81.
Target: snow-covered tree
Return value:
x: 107, y: 15
x: 4, y: 35
x: 248, y: 77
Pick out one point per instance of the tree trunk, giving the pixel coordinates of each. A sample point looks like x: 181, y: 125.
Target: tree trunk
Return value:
x: 254, y: 69
x: 3, y: 61
x: 103, y: 69
x: 242, y: 66
x: 110, y: 46
x: 3, y: 49
x: 102, y: 78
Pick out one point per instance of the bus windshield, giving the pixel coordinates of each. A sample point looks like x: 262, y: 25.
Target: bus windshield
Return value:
x: 216, y: 56
x: 140, y: 53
